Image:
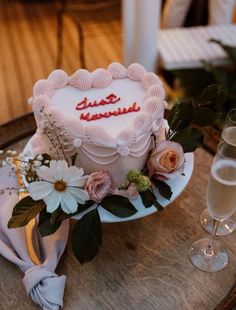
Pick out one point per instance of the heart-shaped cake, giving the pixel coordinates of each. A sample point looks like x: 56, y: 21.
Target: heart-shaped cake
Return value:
x: 107, y: 116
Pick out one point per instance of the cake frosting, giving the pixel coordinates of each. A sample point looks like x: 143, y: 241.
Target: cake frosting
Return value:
x: 107, y: 116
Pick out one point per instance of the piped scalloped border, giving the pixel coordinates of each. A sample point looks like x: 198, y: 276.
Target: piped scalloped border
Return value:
x: 151, y: 116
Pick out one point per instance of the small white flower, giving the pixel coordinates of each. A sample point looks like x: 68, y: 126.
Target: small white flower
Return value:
x: 59, y: 185
x: 4, y: 163
x: 37, y: 163
x: 21, y: 156
x: 9, y: 160
x: 77, y: 142
x: 14, y: 153
x: 1, y: 152
x: 24, y: 167
x: 40, y: 157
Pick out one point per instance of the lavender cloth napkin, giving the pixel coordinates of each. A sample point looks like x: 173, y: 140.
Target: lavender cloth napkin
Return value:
x: 42, y: 284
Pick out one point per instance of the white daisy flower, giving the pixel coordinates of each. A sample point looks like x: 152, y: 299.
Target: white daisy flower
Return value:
x: 60, y: 185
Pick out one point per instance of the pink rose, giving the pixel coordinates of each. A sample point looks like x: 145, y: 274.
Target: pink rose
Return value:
x: 166, y: 160
x: 131, y: 192
x: 98, y: 185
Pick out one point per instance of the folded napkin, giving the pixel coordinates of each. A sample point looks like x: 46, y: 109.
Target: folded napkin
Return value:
x: 42, y: 284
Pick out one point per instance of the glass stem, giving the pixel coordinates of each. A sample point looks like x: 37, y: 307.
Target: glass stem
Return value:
x: 210, y: 249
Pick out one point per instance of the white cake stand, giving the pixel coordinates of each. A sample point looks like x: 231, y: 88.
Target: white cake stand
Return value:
x: 177, y: 186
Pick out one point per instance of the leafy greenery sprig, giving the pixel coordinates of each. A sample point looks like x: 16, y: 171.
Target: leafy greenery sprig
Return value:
x: 187, y: 115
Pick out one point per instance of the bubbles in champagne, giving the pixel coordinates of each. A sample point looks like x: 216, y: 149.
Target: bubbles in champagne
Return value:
x: 229, y: 135
x: 221, y: 190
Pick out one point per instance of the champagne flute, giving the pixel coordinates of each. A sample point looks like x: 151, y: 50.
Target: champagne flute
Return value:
x: 209, y: 254
x: 226, y: 227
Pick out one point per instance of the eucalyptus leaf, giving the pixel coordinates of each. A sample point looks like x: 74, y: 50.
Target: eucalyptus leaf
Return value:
x: 208, y: 94
x: 118, y: 205
x: 45, y: 225
x: 230, y: 103
x: 149, y: 200
x: 58, y: 215
x: 87, y: 237
x: 189, y: 138
x: 181, y: 114
x: 24, y: 211
x: 163, y: 188
x: 205, y: 116
x: 81, y: 208
x: 194, y: 80
x: 212, y: 97
x: 226, y: 78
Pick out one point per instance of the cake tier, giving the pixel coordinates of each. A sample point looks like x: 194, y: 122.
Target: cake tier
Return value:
x: 106, y: 116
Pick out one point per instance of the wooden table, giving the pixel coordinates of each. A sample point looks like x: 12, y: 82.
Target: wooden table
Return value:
x: 143, y: 264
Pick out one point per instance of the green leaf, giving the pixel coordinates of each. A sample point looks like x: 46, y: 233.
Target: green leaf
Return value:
x: 181, y: 115
x: 230, y: 50
x: 189, y: 138
x: 118, y: 205
x: 45, y: 225
x: 163, y: 188
x: 205, y: 116
x: 59, y: 215
x: 208, y: 94
x: 230, y: 103
x: 194, y: 80
x: 87, y: 237
x: 212, y: 97
x: 24, y: 211
x: 81, y: 208
x: 149, y: 200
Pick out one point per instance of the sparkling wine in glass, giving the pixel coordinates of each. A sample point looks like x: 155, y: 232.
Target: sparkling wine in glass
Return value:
x: 221, y: 189
x: 208, y: 254
x: 229, y: 137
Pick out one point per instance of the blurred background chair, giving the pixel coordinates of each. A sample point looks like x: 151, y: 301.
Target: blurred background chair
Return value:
x: 85, y: 14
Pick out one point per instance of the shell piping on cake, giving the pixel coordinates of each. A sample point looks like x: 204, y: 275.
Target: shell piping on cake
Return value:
x: 58, y: 78
x: 101, y: 78
x: 145, y: 121
x: 150, y: 79
x: 43, y: 87
x: 156, y: 90
x: 136, y: 72
x: 117, y: 70
x: 81, y: 79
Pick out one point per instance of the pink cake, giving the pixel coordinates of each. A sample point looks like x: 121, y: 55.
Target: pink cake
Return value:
x: 107, y: 116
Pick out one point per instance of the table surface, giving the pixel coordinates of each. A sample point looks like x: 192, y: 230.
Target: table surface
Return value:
x: 143, y: 264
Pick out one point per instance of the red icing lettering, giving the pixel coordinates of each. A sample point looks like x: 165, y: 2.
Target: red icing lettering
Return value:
x: 110, y: 99
x: 84, y: 104
x: 85, y: 117
x: 88, y: 117
x: 135, y: 108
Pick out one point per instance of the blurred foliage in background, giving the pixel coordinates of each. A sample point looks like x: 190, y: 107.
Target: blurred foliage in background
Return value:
x: 193, y: 81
